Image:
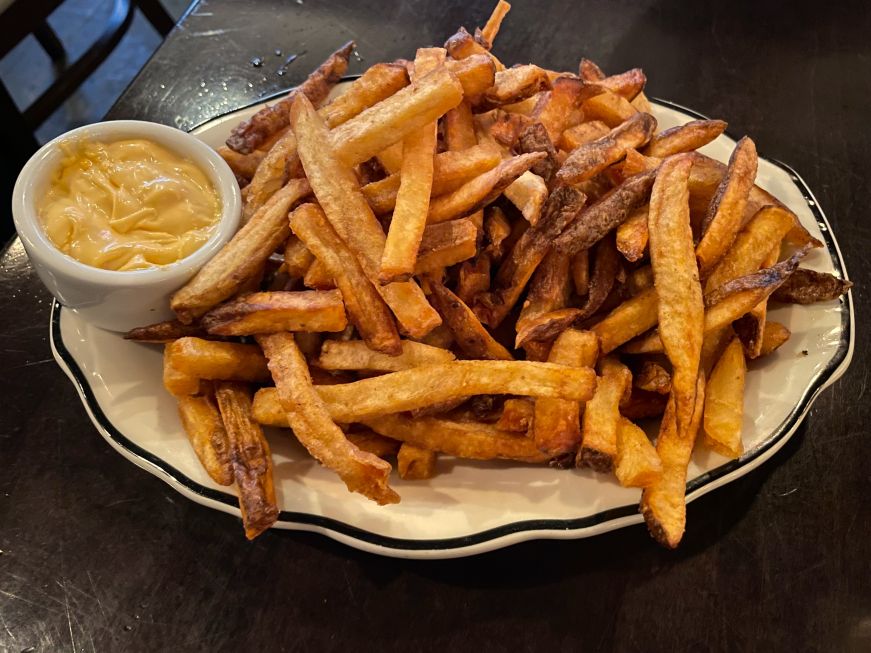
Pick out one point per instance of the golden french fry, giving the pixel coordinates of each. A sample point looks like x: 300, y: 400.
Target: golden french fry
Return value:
x: 630, y: 319
x: 368, y: 311
x: 272, y: 312
x: 774, y: 335
x: 517, y: 415
x: 459, y: 127
x: 202, y: 422
x: 240, y: 259
x: 307, y: 415
x: 586, y: 132
x: 653, y: 377
x: 297, y: 258
x: 602, y: 417
x: 250, y: 458
x: 751, y: 327
x: 560, y: 108
x: 684, y: 138
x: 726, y: 213
x: 580, y: 263
x: 210, y: 360
x: 632, y: 235
x: 549, y: 291
x: 475, y: 73
x: 556, y: 423
x: 390, y: 159
x: 373, y: 443
x: 318, y: 277
x: 515, y: 84
x: 270, y: 175
x: 445, y: 244
x: 681, y: 307
x: 167, y: 331
x: 415, y: 463
x: 243, y: 165
x: 610, y: 108
x: 637, y: 463
x: 178, y: 382
x: 528, y: 193
x: 491, y: 28
x: 355, y: 355
x: 724, y: 402
x: 627, y: 85
x: 463, y: 45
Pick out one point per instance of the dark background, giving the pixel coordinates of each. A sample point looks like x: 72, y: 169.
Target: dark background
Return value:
x: 99, y: 555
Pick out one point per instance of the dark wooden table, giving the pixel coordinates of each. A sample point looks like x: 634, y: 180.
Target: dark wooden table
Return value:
x: 98, y: 555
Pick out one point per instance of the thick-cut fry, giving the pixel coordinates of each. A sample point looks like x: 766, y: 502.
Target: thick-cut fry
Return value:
x: 450, y: 171
x: 808, y: 286
x: 469, y: 334
x: 272, y: 312
x: 307, y: 415
x: 536, y: 139
x: 445, y: 244
x: 556, y: 422
x: 366, y: 308
x: 560, y: 108
x: 562, y: 206
x: 394, y: 118
x: 318, y: 277
x: 627, y: 85
x: 607, y: 213
x: 355, y: 355
x: 373, y: 443
x: 475, y: 73
x: 297, y: 258
x: 602, y: 417
x: 463, y: 45
x: 528, y: 193
x: 178, y: 382
x: 517, y: 415
x: 515, y: 84
x: 165, y: 332
x: 581, y: 272
x: 415, y: 186
x: 588, y: 160
x: 459, y: 127
x: 480, y: 191
x: 549, y: 291
x: 631, y: 318
x: 663, y: 503
x: 610, y: 108
x: 243, y: 165
x: 637, y: 463
x: 473, y: 440
x: 250, y: 458
x: 632, y: 235
x: 643, y: 405
x: 684, y: 138
x: 724, y: 402
x: 726, y: 213
x: 751, y: 326
x: 210, y: 360
x: 473, y: 278
x: 774, y: 335
x: 339, y: 195
x: 241, y: 258
x: 202, y: 423
x: 606, y: 269
x: 653, y: 377
x: 681, y: 308
x: 414, y: 463
x: 491, y: 28
x: 251, y: 133
x: 586, y: 132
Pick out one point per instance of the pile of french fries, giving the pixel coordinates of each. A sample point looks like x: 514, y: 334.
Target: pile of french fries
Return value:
x: 457, y: 258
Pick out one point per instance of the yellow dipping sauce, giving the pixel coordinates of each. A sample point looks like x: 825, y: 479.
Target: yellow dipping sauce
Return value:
x: 128, y: 205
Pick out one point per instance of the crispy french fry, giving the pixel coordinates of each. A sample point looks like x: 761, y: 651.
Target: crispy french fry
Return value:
x: 463, y: 45
x: 491, y: 28
x: 536, y: 139
x: 515, y: 84
x: 724, y: 402
x: 373, y: 443
x: 808, y: 286
x: 517, y: 415
x: 460, y: 128
x: 241, y: 258
x: 602, y: 417
x: 606, y: 268
x: 202, y: 422
x: 631, y: 318
x: 475, y: 73
x: 480, y: 191
x: 310, y: 420
x: 586, y: 132
x: 590, y: 159
x: 390, y: 159
x: 774, y: 335
x: 637, y: 463
x: 549, y: 291
x: 207, y: 359
x: 415, y: 463
x: 445, y: 244
x: 556, y: 422
x: 243, y: 165
x: 469, y: 334
x: 663, y: 503
x: 639, y: 279
x: 273, y: 312
x: 653, y: 377
x: 681, y: 307
x: 473, y: 278
x: 684, y: 138
x: 318, y: 277
x: 270, y: 175
x: 178, y: 382
x: 610, y: 108
x: 632, y: 235
x: 355, y: 355
x: 580, y: 263
x: 560, y: 108
x: 726, y: 213
x: 250, y: 458
x: 415, y: 187
x: 627, y: 85
x: 162, y: 332
x: 643, y: 405
x: 297, y: 258
x: 251, y: 133
x: 751, y: 327
x: 367, y: 310
x: 528, y: 193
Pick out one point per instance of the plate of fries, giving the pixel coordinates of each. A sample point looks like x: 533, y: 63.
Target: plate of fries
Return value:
x: 474, y: 305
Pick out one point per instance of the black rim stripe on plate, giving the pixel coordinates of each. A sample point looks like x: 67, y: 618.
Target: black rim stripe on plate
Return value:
x: 555, y: 525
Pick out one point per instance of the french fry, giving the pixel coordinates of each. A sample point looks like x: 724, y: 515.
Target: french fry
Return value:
x: 251, y: 133
x: 250, y: 458
x: 307, y: 415
x: 726, y: 213
x: 560, y: 108
x: 445, y: 244
x: 627, y: 85
x: 390, y: 159
x: 270, y: 175
x: 663, y: 503
x: 562, y: 206
x: 774, y: 335
x: 473, y: 440
x: 515, y: 84
x: 355, y: 355
x: 415, y: 463
x: 643, y: 405
x: 373, y: 443
x: 684, y: 138
x: 653, y: 377
x: 491, y: 28
x: 610, y: 108
x: 528, y: 193
x: 210, y: 360
x: 602, y: 417
x: 272, y: 312
x: 346, y: 208
x: 606, y: 214
x: 637, y: 463
x: 243, y: 165
x: 580, y: 263
x: 469, y: 334
x: 586, y: 132
x: 724, y: 402
x: 480, y: 191
x: 536, y: 139
x: 241, y: 258
x: 681, y: 307
x: 167, y: 331
x: 750, y: 327
x: 606, y: 269
x: 202, y: 422
x: 476, y: 73
x: 524, y: 107
x: 367, y: 310
x: 463, y: 45
x: 630, y: 319
x: 473, y: 278
x: 178, y: 382
x: 318, y: 277
x: 549, y: 291
x: 517, y: 415
x: 588, y: 160
x: 459, y: 128
x: 415, y: 186
x: 556, y: 422
x: 395, y: 117
x: 632, y: 235
x: 808, y: 286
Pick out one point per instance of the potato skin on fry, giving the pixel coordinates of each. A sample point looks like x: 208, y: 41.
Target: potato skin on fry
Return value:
x: 272, y: 312
x: 806, y: 286
x: 202, y: 422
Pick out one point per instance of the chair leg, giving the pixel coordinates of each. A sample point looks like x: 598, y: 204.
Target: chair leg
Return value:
x: 156, y: 15
x: 51, y: 43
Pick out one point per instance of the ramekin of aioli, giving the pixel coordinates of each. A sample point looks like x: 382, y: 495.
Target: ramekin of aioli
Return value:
x: 117, y: 216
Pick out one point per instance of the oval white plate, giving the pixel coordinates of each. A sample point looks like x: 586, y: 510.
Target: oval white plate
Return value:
x: 469, y: 507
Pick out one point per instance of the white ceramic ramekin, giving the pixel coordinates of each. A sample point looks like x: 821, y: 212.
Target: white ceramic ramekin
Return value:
x: 119, y: 301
